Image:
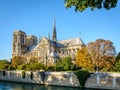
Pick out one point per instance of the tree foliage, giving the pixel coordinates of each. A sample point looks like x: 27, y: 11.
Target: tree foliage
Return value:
x: 31, y: 66
x: 98, y: 55
x: 50, y: 68
x: 82, y: 76
x: 102, y: 54
x: 117, y: 63
x: 65, y: 64
x: 81, y: 5
x: 37, y: 66
x: 22, y: 67
x: 83, y: 59
x: 17, y: 60
x: 106, y: 63
x: 118, y: 56
x: 4, y: 65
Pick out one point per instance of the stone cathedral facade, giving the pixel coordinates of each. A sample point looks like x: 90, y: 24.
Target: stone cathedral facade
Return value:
x: 45, y: 50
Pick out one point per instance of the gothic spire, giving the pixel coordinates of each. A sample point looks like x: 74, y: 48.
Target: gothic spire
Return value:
x: 49, y: 36
x: 54, y: 38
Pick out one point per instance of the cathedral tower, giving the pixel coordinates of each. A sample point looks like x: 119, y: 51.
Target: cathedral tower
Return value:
x: 19, y: 43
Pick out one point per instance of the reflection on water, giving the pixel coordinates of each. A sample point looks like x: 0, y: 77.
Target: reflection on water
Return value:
x: 18, y: 86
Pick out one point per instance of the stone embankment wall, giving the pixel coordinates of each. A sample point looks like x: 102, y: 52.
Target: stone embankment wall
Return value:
x: 47, y: 78
x: 104, y: 81
x: 96, y: 80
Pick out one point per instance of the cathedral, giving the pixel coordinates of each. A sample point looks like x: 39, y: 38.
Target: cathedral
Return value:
x: 44, y: 50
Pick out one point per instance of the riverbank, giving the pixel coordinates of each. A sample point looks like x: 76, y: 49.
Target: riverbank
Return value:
x: 47, y: 78
x: 96, y: 80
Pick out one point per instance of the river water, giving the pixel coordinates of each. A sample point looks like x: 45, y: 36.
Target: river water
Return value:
x: 19, y: 86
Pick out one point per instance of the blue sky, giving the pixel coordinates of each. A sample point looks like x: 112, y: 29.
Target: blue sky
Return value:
x: 36, y: 17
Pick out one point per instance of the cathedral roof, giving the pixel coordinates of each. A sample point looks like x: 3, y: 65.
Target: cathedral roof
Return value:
x: 70, y: 42
x: 61, y: 43
x: 32, y: 47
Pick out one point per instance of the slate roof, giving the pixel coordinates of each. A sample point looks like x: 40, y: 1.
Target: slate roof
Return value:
x: 70, y: 42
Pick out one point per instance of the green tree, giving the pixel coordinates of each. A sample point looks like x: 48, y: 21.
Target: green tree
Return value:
x: 81, y: 5
x: 83, y: 59
x: 4, y: 64
x: 117, y: 63
x: 65, y: 64
x: 34, y: 66
x: 37, y: 66
x: 118, y: 56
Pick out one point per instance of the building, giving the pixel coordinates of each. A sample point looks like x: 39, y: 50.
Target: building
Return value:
x: 44, y: 50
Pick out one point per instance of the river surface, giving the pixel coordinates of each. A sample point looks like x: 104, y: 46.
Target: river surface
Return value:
x: 19, y: 86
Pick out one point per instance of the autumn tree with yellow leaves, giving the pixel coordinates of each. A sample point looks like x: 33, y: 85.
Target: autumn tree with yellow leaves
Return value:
x: 102, y: 53
x: 98, y: 56
x: 83, y: 59
x: 18, y: 60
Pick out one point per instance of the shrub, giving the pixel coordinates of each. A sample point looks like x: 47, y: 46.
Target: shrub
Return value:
x: 82, y: 77
x: 23, y: 74
x: 22, y: 67
x: 3, y: 73
x: 50, y: 68
x: 31, y: 75
x: 34, y: 66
